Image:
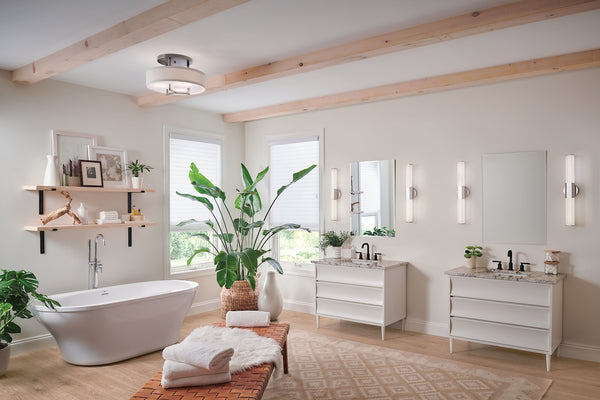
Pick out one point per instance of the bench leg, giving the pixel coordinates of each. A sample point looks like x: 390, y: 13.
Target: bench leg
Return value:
x: 285, y: 358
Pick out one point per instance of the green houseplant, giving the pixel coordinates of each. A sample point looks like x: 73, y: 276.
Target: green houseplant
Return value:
x: 136, y: 168
x: 384, y: 231
x: 334, y: 240
x: 243, y: 235
x: 471, y: 254
x: 18, y: 289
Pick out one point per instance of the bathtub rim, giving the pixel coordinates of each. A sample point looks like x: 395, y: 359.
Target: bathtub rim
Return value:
x: 38, y: 308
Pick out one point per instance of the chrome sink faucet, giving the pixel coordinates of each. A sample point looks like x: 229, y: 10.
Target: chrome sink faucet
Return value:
x: 94, y: 264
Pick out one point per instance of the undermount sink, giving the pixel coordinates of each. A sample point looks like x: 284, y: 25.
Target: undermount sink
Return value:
x: 365, y: 262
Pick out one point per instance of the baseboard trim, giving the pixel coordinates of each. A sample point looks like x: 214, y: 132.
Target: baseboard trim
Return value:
x: 33, y: 343
x: 299, y: 306
x: 429, y: 328
x: 204, y: 306
x: 580, y: 351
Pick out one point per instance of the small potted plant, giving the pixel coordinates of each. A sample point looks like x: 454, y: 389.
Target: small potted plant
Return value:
x: 18, y: 289
x: 471, y: 254
x: 136, y: 168
x: 331, y: 243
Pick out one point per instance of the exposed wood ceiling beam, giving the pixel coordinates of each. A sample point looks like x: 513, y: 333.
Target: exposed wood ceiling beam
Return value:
x: 151, y: 23
x: 541, y: 66
x: 505, y: 16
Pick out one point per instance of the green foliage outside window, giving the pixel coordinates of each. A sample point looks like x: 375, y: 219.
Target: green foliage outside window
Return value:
x: 298, y: 246
x: 182, y: 245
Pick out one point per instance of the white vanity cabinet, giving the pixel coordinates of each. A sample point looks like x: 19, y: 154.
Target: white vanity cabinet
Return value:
x: 369, y: 294
x: 519, y: 312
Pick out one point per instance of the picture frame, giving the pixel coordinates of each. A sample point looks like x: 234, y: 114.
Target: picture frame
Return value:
x: 91, y: 173
x: 69, y: 147
x: 114, y: 164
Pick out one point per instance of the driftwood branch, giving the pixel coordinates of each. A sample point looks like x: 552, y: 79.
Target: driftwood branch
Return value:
x: 66, y: 209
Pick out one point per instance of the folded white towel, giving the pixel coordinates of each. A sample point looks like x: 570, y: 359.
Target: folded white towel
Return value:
x: 196, y: 380
x: 177, y: 370
x: 247, y: 318
x: 199, y: 354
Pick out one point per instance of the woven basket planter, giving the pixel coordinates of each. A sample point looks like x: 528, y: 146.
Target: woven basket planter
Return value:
x: 239, y: 298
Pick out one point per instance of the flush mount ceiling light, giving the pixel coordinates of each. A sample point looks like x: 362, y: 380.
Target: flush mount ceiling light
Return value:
x: 176, y: 77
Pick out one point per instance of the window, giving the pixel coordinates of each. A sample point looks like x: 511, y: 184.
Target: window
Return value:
x: 299, y: 203
x: 206, y: 154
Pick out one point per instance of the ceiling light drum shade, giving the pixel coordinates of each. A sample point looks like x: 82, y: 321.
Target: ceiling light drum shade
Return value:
x: 176, y: 77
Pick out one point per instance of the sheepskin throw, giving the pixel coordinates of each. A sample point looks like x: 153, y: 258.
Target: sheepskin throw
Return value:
x: 250, y: 349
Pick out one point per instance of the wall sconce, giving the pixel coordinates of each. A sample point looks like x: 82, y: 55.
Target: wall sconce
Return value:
x: 411, y: 193
x: 461, y: 194
x: 571, y: 190
x: 336, y: 194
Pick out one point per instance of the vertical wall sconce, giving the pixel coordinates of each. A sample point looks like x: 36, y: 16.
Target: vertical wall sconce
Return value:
x: 411, y: 193
x: 571, y: 190
x: 336, y: 194
x: 461, y: 194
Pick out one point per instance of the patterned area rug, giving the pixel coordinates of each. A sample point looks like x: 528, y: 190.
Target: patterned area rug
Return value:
x: 322, y: 367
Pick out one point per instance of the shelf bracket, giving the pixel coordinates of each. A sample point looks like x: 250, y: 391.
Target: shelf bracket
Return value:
x: 42, y: 242
x: 128, y: 202
x: 41, y: 202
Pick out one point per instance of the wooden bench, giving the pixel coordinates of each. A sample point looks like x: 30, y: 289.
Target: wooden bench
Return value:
x: 247, y: 385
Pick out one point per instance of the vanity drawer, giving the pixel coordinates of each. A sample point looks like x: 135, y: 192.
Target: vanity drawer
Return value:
x: 350, y: 311
x: 510, y: 313
x: 501, y: 290
x: 494, y: 333
x: 350, y: 275
x: 357, y: 294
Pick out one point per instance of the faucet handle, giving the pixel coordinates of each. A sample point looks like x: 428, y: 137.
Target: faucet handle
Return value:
x: 522, y: 266
x: 499, y: 264
x: 375, y: 258
x: 359, y: 255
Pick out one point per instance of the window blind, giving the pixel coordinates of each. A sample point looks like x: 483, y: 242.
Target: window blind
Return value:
x: 206, y: 154
x: 299, y: 203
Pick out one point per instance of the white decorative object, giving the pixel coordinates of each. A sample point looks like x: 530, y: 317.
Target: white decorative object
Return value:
x: 82, y: 213
x: 365, y: 294
x: 551, y: 261
x: 136, y: 182
x: 51, y: 173
x: 269, y: 298
x: 346, y: 250
x: 515, y: 314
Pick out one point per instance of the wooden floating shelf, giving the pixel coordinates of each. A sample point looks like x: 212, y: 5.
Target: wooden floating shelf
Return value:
x: 51, y: 228
x: 86, y: 189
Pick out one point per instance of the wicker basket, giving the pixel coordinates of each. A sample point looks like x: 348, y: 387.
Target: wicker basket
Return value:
x: 240, y: 297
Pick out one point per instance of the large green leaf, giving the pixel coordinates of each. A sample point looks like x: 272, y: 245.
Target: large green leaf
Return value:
x: 202, y: 200
x: 213, y: 191
x: 251, y: 281
x: 249, y: 259
x: 201, y: 235
x: 296, y: 177
x: 196, y: 178
x: 246, y: 177
x: 274, y: 263
x: 196, y: 252
x: 284, y: 227
x: 225, y: 237
x: 191, y: 221
x: 226, y: 267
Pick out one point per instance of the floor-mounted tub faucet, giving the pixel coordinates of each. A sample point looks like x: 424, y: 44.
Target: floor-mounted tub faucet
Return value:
x: 94, y: 264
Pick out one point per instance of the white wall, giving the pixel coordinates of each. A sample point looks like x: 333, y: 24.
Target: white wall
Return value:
x: 557, y: 113
x: 27, y: 115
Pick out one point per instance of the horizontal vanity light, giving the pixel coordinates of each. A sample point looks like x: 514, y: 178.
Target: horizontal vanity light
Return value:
x: 462, y: 193
x: 571, y: 190
x: 411, y: 193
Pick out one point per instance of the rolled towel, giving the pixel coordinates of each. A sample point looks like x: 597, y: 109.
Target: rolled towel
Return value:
x: 199, y: 354
x: 176, y: 370
x: 196, y: 380
x: 247, y: 318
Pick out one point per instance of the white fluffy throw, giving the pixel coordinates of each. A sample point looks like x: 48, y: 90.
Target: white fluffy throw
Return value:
x: 250, y: 349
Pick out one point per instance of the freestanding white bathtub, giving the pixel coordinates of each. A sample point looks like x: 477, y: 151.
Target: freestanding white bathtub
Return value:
x: 106, y: 325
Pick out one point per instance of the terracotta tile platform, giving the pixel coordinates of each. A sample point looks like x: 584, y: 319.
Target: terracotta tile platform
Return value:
x: 248, y: 385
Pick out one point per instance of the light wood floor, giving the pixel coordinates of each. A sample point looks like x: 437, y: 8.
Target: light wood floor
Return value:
x: 45, y: 375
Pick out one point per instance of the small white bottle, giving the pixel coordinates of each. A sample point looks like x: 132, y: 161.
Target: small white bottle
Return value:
x: 82, y: 213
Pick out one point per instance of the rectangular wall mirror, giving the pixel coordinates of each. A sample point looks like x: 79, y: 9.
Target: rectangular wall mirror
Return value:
x: 514, y: 197
x: 373, y: 198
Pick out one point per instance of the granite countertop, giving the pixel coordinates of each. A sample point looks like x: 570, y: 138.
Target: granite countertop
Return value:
x: 348, y: 263
x: 531, y: 277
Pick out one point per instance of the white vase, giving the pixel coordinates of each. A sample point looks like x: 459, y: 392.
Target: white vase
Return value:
x: 136, y: 182
x: 269, y: 298
x: 4, y: 359
x: 471, y: 262
x: 82, y: 213
x: 333, y: 252
x: 51, y: 173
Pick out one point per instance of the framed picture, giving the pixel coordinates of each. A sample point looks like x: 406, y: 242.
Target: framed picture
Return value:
x: 69, y: 148
x: 91, y: 173
x: 114, y: 164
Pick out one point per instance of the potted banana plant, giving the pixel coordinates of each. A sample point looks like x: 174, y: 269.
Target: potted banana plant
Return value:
x: 242, y: 234
x: 18, y: 289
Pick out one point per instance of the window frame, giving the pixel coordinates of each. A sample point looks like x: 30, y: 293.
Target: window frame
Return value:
x: 205, y: 268
x: 303, y: 136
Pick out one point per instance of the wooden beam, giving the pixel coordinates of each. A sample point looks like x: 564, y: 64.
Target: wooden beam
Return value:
x: 151, y: 23
x: 500, y: 73
x: 505, y: 16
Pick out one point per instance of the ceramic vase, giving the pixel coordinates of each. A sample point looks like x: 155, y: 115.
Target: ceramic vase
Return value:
x: 51, y: 173
x: 82, y: 213
x: 333, y: 252
x: 270, y: 298
x: 471, y: 262
x: 136, y: 182
x: 4, y: 359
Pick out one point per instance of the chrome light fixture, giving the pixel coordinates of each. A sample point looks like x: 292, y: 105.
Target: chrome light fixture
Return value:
x: 571, y: 190
x: 462, y: 193
x: 336, y: 194
x: 411, y: 193
x: 176, y: 77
